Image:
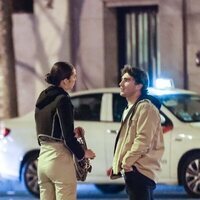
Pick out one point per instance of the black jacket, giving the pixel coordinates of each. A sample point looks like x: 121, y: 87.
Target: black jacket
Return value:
x: 54, y: 118
x: 153, y: 100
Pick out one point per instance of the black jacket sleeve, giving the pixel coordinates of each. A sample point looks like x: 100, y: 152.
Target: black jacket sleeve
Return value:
x: 66, y: 119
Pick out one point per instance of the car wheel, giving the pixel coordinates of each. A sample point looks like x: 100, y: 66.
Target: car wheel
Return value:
x: 106, y: 188
x: 190, y: 175
x: 29, y: 173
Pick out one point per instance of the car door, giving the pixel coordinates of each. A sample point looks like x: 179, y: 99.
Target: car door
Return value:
x: 87, y: 114
x: 114, y: 106
x: 167, y: 126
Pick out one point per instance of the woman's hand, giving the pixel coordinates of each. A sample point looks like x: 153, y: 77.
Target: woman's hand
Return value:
x: 89, y: 154
x: 79, y: 132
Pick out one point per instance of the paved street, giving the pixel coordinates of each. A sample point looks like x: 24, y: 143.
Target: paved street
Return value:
x: 15, y: 191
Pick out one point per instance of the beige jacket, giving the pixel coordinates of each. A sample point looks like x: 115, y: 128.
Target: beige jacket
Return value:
x: 140, y: 141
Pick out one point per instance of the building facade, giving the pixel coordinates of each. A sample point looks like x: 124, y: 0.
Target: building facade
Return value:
x: 100, y: 36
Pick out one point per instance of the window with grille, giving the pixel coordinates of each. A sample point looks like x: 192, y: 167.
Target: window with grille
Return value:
x: 137, y: 37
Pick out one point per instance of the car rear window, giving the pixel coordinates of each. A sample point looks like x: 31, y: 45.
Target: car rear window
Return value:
x: 185, y: 107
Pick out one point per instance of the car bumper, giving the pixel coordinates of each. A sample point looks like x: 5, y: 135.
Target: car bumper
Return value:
x: 10, y: 159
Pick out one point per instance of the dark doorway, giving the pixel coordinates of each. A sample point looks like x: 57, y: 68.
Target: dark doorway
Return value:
x: 137, y: 39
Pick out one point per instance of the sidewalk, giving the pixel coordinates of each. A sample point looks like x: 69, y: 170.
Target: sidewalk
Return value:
x: 14, y: 190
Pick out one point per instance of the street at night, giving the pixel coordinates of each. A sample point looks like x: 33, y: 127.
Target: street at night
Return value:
x: 15, y: 191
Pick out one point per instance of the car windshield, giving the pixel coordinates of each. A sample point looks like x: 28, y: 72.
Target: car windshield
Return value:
x: 185, y: 107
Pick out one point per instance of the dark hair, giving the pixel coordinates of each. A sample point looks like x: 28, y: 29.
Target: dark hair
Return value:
x: 59, y: 71
x: 139, y: 76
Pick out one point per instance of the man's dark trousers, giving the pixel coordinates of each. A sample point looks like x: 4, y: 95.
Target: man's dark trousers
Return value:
x: 138, y: 186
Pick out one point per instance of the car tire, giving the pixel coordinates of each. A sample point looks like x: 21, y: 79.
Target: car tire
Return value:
x: 190, y: 175
x: 110, y: 189
x: 29, y: 174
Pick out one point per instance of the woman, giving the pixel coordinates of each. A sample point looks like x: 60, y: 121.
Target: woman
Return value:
x: 57, y: 136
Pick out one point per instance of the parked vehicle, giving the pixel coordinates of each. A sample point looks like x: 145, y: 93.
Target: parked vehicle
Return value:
x: 99, y: 112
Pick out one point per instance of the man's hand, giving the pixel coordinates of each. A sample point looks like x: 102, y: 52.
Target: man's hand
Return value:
x: 109, y: 171
x: 127, y: 168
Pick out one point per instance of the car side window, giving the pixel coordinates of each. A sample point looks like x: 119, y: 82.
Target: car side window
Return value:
x: 119, y: 104
x: 87, y: 107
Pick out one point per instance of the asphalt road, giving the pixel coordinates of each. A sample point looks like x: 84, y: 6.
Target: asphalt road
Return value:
x: 15, y: 191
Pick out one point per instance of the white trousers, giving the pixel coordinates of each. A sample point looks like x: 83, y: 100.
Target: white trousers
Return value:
x: 56, y: 172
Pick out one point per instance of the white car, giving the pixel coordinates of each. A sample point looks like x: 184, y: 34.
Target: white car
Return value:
x: 99, y: 113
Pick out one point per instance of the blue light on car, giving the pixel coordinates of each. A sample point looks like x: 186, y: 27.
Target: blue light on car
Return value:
x: 162, y: 83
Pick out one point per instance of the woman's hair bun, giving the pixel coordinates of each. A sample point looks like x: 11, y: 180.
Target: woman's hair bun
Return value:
x: 59, y: 72
x: 49, y: 79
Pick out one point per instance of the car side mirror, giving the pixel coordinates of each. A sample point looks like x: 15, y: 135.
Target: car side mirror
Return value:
x: 163, y: 120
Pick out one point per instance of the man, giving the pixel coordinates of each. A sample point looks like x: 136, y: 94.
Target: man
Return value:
x: 139, y: 144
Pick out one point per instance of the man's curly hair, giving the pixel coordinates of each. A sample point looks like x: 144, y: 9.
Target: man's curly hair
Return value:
x: 139, y: 76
